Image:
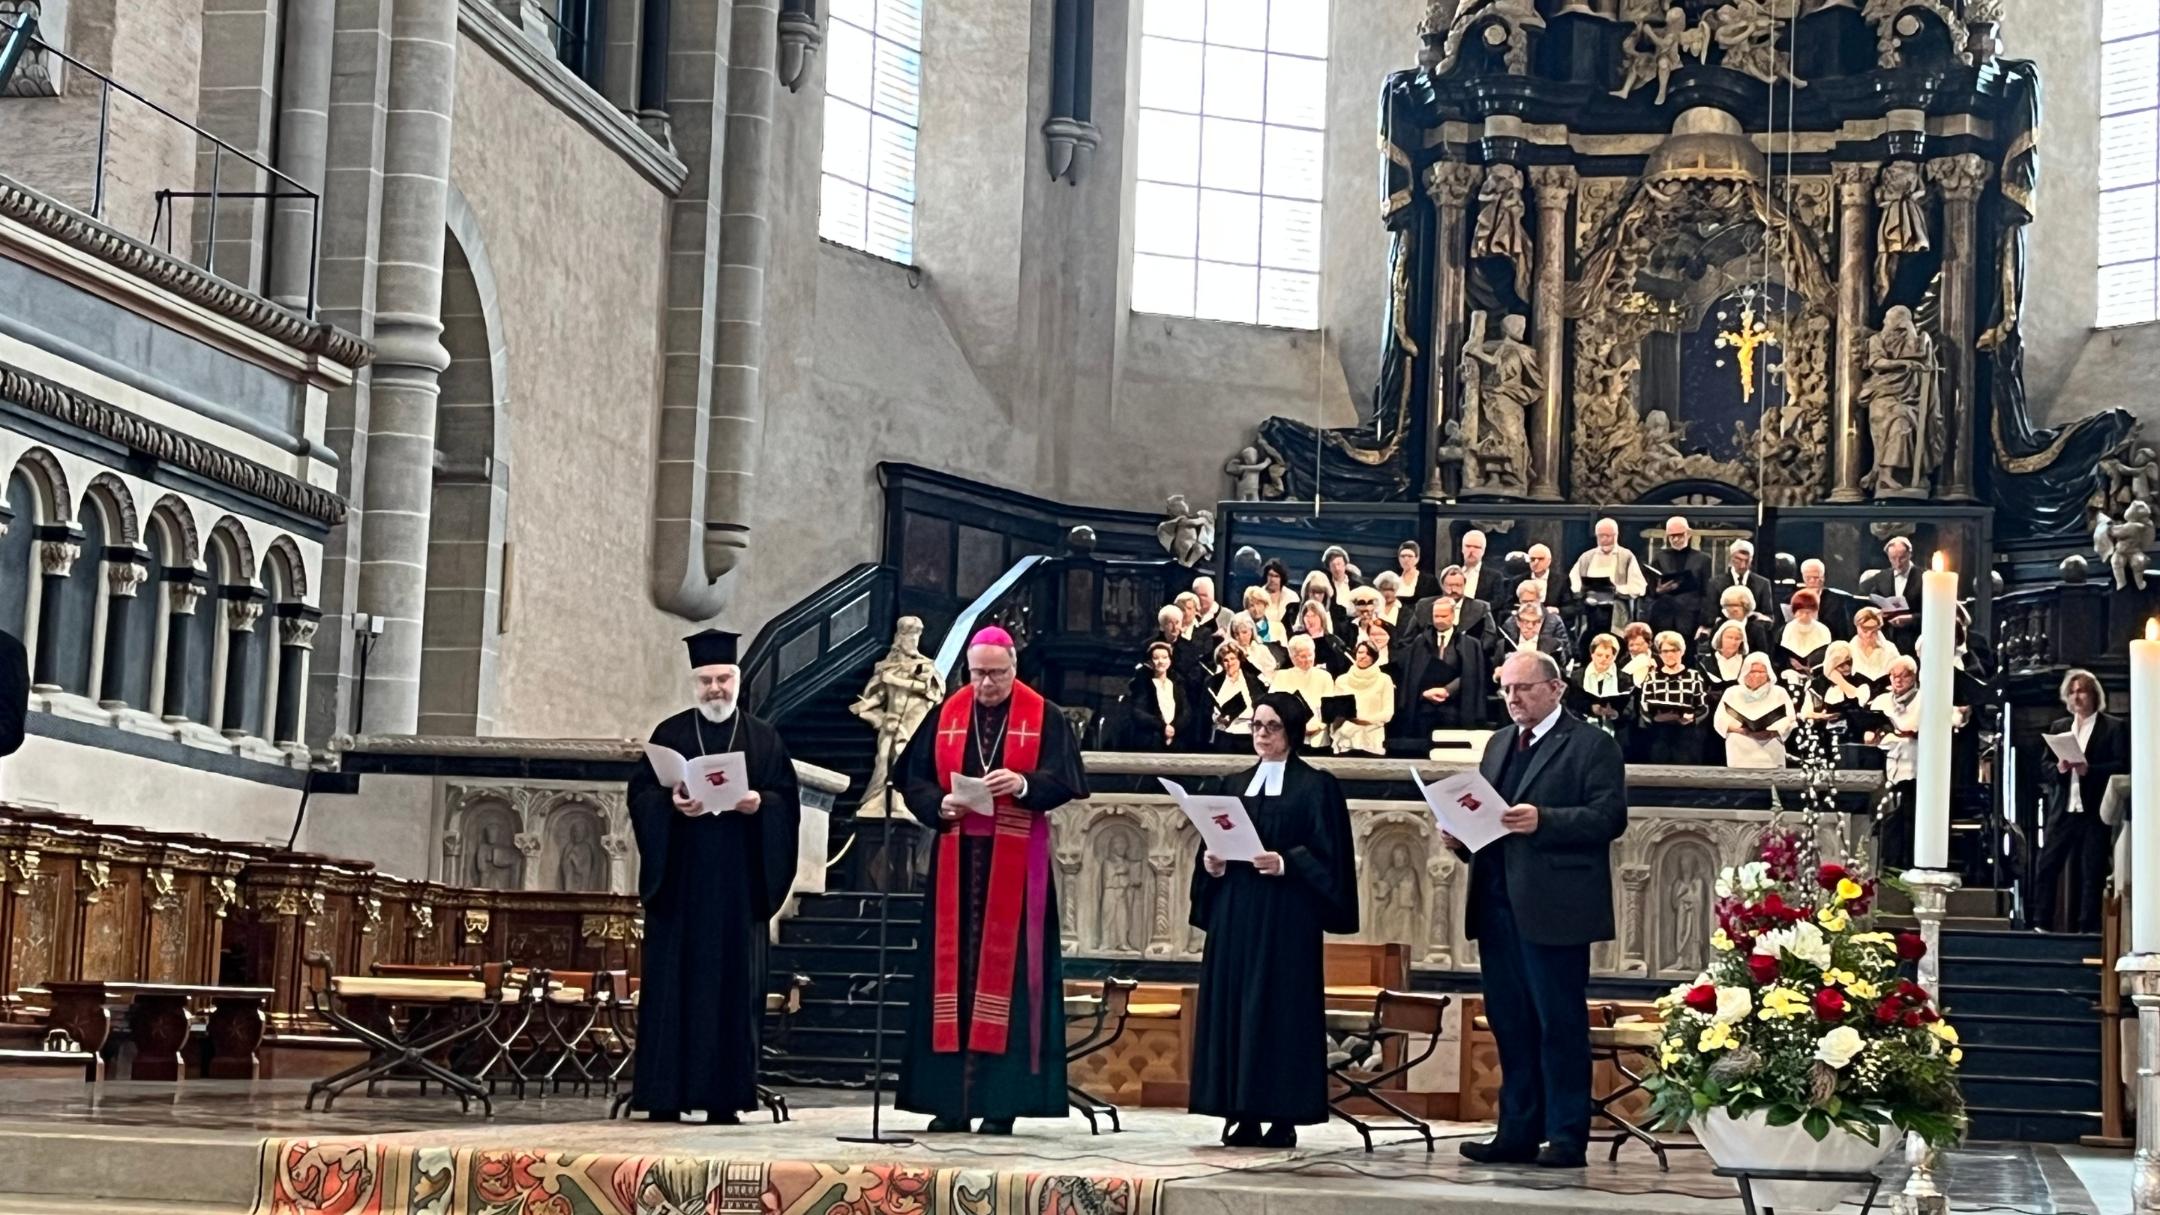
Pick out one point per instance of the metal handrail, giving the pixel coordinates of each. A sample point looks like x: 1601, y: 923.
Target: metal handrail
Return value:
x: 22, y: 33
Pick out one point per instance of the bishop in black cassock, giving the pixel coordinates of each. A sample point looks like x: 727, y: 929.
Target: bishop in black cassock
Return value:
x: 986, y: 1028
x: 711, y: 884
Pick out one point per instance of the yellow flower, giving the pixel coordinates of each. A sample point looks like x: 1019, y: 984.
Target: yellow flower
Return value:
x: 1834, y: 919
x: 1779, y: 1003
x: 1670, y: 1053
x: 1943, y: 1030
x: 1720, y: 942
x: 1873, y: 938
x: 1715, y: 1036
x: 1847, y: 890
x: 1957, y: 1056
x: 1834, y: 977
x: 1862, y: 989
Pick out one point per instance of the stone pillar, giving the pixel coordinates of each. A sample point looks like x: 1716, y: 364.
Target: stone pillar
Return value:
x: 125, y: 572
x: 652, y: 92
x: 303, y: 145
x: 1450, y: 185
x: 1554, y: 186
x: 1855, y: 187
x: 242, y: 610
x: 1960, y: 178
x: 184, y: 588
x: 296, y: 637
x: 410, y: 357
x: 59, y: 547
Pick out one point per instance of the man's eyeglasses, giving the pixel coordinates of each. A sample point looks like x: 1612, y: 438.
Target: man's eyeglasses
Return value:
x: 998, y: 673
x: 1518, y: 689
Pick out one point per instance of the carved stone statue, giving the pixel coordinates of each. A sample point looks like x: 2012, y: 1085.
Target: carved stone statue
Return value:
x: 1398, y: 899
x: 1690, y: 931
x: 2122, y: 544
x: 1747, y: 31
x: 1450, y: 456
x: 1257, y: 472
x: 1124, y: 896
x: 904, y: 686
x: 1500, y: 231
x: 1902, y: 195
x: 2131, y: 473
x: 1901, y: 392
x: 1657, y: 48
x: 1509, y: 382
x: 583, y: 865
x: 495, y: 861
x: 1186, y: 534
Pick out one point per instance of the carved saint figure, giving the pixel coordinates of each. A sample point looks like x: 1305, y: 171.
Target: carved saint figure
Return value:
x: 1124, y: 889
x: 1398, y: 903
x: 1500, y: 231
x: 495, y: 860
x: 1656, y: 49
x: 1747, y: 31
x: 1186, y: 534
x: 2122, y: 544
x: 1902, y: 195
x: 1509, y: 381
x: 2132, y: 472
x: 1901, y: 392
x: 583, y: 865
x: 1690, y: 931
x: 903, y: 687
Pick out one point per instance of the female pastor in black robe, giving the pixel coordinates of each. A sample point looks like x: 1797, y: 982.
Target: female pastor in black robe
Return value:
x: 1260, y: 1036
x: 711, y: 884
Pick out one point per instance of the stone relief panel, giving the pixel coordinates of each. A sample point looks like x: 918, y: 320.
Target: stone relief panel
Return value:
x: 573, y: 858
x: 537, y: 837
x: 1686, y: 870
x: 1123, y: 888
x: 1392, y: 870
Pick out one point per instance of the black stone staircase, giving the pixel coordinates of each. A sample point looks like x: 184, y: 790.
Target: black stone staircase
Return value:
x: 2026, y: 1007
x: 821, y: 731
x: 832, y: 938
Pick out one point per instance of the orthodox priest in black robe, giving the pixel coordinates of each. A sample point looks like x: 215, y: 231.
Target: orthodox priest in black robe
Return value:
x: 711, y: 883
x: 986, y: 1027
x: 1260, y: 1036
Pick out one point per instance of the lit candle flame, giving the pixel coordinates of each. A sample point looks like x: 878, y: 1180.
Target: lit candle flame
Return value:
x: 1939, y: 564
x: 2152, y: 630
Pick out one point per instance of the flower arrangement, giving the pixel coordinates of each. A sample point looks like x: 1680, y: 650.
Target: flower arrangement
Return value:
x: 1803, y: 1013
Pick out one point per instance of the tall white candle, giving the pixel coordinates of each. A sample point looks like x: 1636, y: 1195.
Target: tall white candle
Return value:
x: 1938, y: 662
x: 2144, y: 793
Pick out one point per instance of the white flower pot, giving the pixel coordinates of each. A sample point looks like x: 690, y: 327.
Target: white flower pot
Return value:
x: 1750, y: 1142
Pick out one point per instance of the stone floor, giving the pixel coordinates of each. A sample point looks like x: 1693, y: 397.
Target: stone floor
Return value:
x: 195, y: 1148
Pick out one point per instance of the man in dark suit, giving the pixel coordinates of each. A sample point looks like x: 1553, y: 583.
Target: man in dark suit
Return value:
x: 14, y: 692
x: 1739, y: 571
x: 1534, y: 627
x: 1443, y: 680
x: 1539, y: 897
x: 1676, y: 598
x: 2073, y: 868
x: 1902, y: 580
x: 1833, y: 607
x: 1473, y: 616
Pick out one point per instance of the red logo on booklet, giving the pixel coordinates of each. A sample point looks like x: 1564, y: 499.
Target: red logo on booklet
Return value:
x: 716, y: 779
x: 1223, y: 821
x: 1469, y: 801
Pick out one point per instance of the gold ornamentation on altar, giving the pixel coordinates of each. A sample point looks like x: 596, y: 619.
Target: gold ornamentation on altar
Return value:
x: 163, y: 897
x: 91, y: 880
x: 370, y: 914
x: 1743, y: 340
x: 475, y: 922
x: 21, y: 867
x: 598, y: 928
x: 423, y: 920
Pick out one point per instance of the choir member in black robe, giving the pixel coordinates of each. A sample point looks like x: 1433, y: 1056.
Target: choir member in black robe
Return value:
x: 1473, y: 616
x: 1260, y: 1033
x: 711, y: 884
x: 1329, y: 652
x: 1676, y: 590
x: 1600, y: 692
x: 2072, y: 880
x: 14, y: 692
x: 1162, y: 708
x: 994, y: 1047
x: 1443, y: 681
x: 1901, y: 580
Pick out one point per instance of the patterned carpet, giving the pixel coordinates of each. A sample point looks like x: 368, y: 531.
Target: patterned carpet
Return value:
x: 367, y: 1177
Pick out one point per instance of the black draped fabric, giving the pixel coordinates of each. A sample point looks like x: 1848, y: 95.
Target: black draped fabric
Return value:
x: 1260, y: 1032
x: 710, y: 884
x: 969, y: 1084
x: 1379, y: 461
x: 14, y: 692
x: 2042, y: 479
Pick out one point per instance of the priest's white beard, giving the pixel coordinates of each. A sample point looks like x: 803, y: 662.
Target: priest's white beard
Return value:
x: 717, y: 711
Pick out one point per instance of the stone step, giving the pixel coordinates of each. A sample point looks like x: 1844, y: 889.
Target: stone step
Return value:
x: 1989, y: 1029
x: 2010, y: 943
x: 2079, y: 1063
x: 2004, y: 1000
x: 2039, y: 1093
x: 2031, y: 1126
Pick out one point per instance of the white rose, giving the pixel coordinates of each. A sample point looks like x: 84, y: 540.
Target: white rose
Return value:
x: 1809, y: 945
x: 1838, y: 1047
x: 1733, y: 1004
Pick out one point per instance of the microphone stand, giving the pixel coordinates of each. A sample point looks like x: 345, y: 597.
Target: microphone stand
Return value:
x: 884, y: 927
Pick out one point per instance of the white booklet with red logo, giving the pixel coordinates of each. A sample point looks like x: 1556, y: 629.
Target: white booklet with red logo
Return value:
x: 1467, y: 805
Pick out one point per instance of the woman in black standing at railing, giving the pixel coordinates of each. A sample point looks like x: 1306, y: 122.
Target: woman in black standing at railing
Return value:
x: 1671, y: 706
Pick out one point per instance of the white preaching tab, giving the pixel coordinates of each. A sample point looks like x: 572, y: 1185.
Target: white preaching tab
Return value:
x: 718, y: 781
x: 974, y: 793
x: 2065, y: 746
x: 1222, y: 821
x: 1467, y: 805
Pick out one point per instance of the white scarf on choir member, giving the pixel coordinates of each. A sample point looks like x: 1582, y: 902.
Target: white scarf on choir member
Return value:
x: 1638, y: 667
x: 1805, y: 638
x: 1730, y: 666
x: 1259, y: 658
x: 1873, y: 663
x: 1408, y: 590
x: 1600, y: 685
x: 1375, y: 692
x: 1266, y: 779
x: 1166, y: 698
x: 1391, y: 612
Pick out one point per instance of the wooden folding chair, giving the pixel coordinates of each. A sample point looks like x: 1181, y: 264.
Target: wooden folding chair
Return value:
x: 438, y: 1015
x: 1359, y: 1039
x: 1105, y: 1015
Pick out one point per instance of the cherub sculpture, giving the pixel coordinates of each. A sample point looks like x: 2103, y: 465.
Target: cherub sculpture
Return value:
x: 2122, y: 544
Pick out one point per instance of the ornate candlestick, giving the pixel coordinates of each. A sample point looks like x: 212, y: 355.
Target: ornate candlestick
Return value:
x: 1931, y: 890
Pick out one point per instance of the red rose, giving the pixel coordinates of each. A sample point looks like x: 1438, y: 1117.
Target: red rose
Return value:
x: 1702, y: 998
x: 1742, y: 941
x: 1829, y: 1004
x: 1829, y: 876
x: 1910, y: 992
x: 1763, y: 967
x: 1910, y: 947
x: 1889, y: 1011
x: 1866, y: 900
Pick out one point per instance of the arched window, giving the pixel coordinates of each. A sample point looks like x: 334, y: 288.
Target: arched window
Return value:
x: 1233, y: 127
x: 873, y: 106
x: 2129, y: 161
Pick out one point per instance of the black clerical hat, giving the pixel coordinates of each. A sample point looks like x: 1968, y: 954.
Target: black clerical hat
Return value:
x: 713, y: 647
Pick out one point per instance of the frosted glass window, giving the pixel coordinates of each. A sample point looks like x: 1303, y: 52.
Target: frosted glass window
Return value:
x: 873, y: 107
x: 1233, y: 100
x: 2129, y: 160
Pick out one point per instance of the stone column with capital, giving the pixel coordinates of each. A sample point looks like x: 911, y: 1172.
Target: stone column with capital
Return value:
x: 1855, y: 187
x: 125, y: 572
x: 243, y: 608
x: 59, y: 547
x: 1450, y: 185
x: 1960, y: 179
x: 183, y: 591
x: 410, y: 357
x: 296, y: 638
x: 1554, y: 186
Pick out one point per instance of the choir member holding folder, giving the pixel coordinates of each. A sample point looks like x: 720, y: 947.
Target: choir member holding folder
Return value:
x: 2086, y: 748
x: 1259, y: 1026
x: 1162, y: 715
x: 1601, y: 693
x: 1805, y: 641
x: 1670, y: 704
x: 1607, y: 577
x: 1443, y: 680
x: 1754, y: 716
x: 1872, y: 651
x: 1232, y: 693
x: 1308, y: 680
